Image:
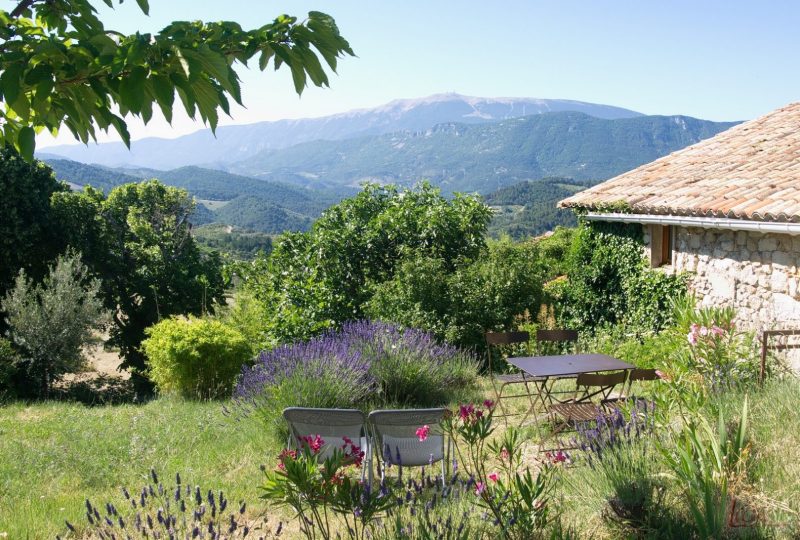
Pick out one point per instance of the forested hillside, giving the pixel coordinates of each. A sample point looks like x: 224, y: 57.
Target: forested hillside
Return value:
x: 529, y: 208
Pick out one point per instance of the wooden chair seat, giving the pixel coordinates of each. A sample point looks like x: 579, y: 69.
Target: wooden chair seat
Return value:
x: 576, y: 412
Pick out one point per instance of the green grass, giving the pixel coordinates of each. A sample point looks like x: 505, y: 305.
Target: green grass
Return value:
x: 55, y: 455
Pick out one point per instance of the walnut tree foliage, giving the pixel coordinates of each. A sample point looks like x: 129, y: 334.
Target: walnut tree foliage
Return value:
x: 325, y: 276
x: 59, y: 65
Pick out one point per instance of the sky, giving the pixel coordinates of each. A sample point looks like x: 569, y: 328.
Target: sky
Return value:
x: 711, y: 59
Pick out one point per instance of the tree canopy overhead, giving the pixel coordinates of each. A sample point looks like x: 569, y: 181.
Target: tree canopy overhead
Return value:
x: 59, y: 65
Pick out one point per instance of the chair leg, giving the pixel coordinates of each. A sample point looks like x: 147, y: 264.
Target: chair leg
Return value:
x: 499, y: 398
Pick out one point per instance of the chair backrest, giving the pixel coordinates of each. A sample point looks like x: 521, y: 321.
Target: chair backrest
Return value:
x: 601, y: 384
x: 641, y: 374
x: 555, y: 336
x: 395, y: 437
x: 503, y: 338
x: 330, y: 424
x: 507, y: 338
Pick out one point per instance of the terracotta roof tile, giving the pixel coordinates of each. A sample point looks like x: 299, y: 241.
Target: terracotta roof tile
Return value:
x: 751, y: 171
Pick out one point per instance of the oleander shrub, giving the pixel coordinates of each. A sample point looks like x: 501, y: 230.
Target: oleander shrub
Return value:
x: 364, y: 363
x: 715, y: 348
x: 195, y: 357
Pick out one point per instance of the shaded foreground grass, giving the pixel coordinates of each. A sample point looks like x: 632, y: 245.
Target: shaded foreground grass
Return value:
x: 54, y: 455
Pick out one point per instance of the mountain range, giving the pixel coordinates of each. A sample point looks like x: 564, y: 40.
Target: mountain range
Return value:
x: 238, y: 143
x: 523, y: 164
x: 485, y: 157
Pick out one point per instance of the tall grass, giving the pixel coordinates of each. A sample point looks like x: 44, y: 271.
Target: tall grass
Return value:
x: 55, y: 455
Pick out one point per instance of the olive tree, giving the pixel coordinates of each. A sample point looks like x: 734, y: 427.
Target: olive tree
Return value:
x: 50, y: 322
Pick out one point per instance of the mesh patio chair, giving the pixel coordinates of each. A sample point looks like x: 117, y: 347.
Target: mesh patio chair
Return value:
x: 581, y: 409
x: 395, y: 440
x: 330, y: 424
x: 501, y: 380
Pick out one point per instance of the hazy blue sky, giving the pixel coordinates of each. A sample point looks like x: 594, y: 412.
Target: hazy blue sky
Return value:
x: 718, y: 60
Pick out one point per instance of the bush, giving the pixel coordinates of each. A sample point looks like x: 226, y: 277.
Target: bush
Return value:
x: 461, y: 305
x: 8, y: 369
x: 198, y: 358
x: 725, y: 356
x: 609, y: 282
x: 365, y: 362
x: 320, y: 279
x: 51, y: 322
x: 409, y: 366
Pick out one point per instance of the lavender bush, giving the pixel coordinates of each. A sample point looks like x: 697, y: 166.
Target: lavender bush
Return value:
x: 622, y: 463
x: 171, y: 512
x: 365, y: 361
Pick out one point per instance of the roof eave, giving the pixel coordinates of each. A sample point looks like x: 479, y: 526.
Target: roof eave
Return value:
x: 701, y: 222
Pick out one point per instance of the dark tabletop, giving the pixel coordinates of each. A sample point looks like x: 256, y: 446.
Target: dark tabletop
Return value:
x: 567, y: 364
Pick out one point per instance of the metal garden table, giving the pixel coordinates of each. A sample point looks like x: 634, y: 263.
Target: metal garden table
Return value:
x: 544, y: 371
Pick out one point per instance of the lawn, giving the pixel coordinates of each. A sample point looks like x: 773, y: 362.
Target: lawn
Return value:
x: 55, y: 455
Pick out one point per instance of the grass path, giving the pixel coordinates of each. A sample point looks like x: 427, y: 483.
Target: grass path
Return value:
x: 54, y: 455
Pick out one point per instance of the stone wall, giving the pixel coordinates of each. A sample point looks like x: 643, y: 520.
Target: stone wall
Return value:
x: 756, y: 273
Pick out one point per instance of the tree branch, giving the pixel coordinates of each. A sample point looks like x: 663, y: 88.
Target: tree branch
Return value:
x: 22, y: 6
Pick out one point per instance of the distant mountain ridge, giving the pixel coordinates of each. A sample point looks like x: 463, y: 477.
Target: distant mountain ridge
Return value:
x: 237, y: 143
x: 486, y: 157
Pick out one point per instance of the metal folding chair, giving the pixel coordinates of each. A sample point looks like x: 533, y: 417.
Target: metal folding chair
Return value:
x: 395, y: 440
x: 500, y: 381
x: 634, y: 375
x: 545, y: 337
x: 581, y: 409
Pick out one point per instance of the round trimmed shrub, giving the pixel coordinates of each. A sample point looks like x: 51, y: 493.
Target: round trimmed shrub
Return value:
x: 197, y: 358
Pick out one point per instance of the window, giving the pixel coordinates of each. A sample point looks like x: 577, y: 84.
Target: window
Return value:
x: 661, y: 245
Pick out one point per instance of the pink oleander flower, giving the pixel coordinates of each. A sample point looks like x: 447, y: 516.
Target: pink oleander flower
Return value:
x: 314, y: 443
x: 691, y: 337
x: 422, y: 433
x: 505, y: 454
x: 352, y: 452
x: 285, y: 456
x: 558, y: 457
x: 494, y: 477
x: 489, y: 404
x: 465, y: 411
x: 480, y: 487
x: 703, y: 331
x: 717, y: 331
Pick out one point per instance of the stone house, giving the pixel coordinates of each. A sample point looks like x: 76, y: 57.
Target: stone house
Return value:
x: 727, y: 211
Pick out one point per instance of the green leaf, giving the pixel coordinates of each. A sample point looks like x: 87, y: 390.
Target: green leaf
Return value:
x: 26, y: 142
x: 145, y: 7
x: 131, y: 89
x: 10, y: 82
